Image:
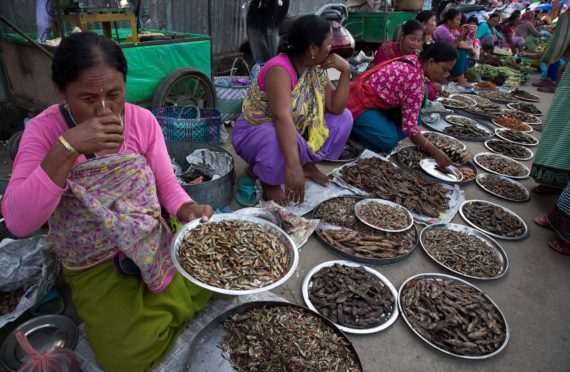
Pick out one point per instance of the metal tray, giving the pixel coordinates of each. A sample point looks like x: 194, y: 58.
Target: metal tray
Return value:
x: 520, y: 237
x: 533, y: 99
x: 463, y: 146
x: 44, y: 333
x: 358, y: 206
x: 499, y: 133
x: 537, y: 122
x: 273, y: 229
x: 350, y: 153
x: 307, y: 283
x: 449, y: 119
x: 471, y: 231
x: 527, y: 193
x: 529, y: 130
x: 476, y: 160
x: 260, y: 213
x: 482, y: 93
x: 530, y: 153
x: 515, y: 106
x: 467, y: 97
x: 205, y: 355
x: 440, y: 125
x: 430, y: 167
x: 455, y: 104
x: 435, y: 276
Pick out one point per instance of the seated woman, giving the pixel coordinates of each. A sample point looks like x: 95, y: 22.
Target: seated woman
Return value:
x: 97, y: 169
x: 487, y: 33
x: 386, y: 100
x: 427, y: 18
x: 527, y: 30
x: 515, y: 42
x: 450, y: 31
x: 471, y: 37
x: 410, y: 41
x: 293, y: 116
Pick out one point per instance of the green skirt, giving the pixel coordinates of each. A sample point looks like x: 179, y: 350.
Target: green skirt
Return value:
x: 129, y: 327
x: 551, y: 165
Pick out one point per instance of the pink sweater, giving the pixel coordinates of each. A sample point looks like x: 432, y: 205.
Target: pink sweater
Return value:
x: 31, y: 196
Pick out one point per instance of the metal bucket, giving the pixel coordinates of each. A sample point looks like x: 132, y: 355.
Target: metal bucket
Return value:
x: 217, y: 193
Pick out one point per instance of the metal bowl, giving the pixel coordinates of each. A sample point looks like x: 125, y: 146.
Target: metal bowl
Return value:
x: 482, y: 175
x: 308, y: 281
x: 528, y: 130
x: 476, y: 160
x: 358, y: 208
x: 499, y: 133
x: 471, y: 231
x: 270, y: 227
x: 260, y: 213
x: 435, y: 276
x: 520, y: 237
x: 530, y: 153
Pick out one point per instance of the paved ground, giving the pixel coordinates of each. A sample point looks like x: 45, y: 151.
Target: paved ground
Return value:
x: 534, y: 296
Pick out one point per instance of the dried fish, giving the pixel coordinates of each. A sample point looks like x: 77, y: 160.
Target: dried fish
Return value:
x: 484, y: 111
x: 497, y: 96
x: 453, y: 316
x: 512, y: 150
x: 284, y: 338
x: 9, y: 300
x: 464, y: 253
x: 351, y: 296
x: 460, y: 120
x: 466, y: 131
x: 385, y: 181
x: 529, y: 108
x: 465, y: 99
x: 384, y: 216
x: 499, y: 164
x: 234, y: 255
x: 451, y: 103
x: 494, y: 219
x: 468, y: 174
x: 453, y: 148
x: 518, y: 137
x: 411, y: 158
x: 522, y: 116
x: 525, y: 95
x: 503, y: 187
x: 511, y: 123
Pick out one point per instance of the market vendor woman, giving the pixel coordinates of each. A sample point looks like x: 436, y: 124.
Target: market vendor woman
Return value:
x: 293, y: 117
x: 386, y: 100
x: 98, y: 170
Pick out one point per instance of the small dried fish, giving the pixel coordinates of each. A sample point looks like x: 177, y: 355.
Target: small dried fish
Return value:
x: 512, y: 150
x: 460, y: 120
x: 511, y: 123
x: 453, y: 148
x: 525, y: 95
x: 519, y: 137
x: 463, y: 252
x: 503, y: 187
x: 411, y: 158
x: 468, y: 174
x: 522, y: 116
x: 351, y: 296
x: 451, y: 103
x: 384, y: 216
x: 529, y: 108
x: 497, y: 96
x: 465, y: 131
x: 284, y: 338
x: 494, y: 219
x: 453, y: 316
x: 505, y: 166
x: 9, y: 300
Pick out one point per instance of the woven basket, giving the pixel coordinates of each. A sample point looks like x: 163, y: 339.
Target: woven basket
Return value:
x: 189, y: 123
x: 231, y: 91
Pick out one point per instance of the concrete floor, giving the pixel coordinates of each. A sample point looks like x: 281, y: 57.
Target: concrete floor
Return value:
x: 534, y: 295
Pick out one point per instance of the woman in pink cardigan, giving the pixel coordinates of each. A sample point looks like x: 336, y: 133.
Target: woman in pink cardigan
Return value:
x: 96, y: 168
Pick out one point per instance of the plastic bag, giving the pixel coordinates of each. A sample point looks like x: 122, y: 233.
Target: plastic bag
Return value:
x: 56, y: 360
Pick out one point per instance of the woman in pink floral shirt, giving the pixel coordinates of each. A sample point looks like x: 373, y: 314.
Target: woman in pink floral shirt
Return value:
x: 386, y: 100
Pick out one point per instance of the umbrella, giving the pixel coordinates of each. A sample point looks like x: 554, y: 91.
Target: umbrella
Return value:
x: 539, y: 6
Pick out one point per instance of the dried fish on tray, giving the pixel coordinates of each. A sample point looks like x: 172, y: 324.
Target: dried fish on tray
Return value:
x: 494, y: 219
x: 464, y: 98
x: 356, y: 298
x: 526, y: 118
x: 234, y: 254
x: 503, y: 187
x: 517, y: 137
x: 477, y: 132
x: 453, y: 316
x: 383, y: 215
x: 460, y: 120
x: 486, y: 112
x: 465, y: 251
x: 272, y: 336
x: 443, y: 141
x: 497, y: 96
x: 509, y: 149
x: 451, y: 103
x: 512, y: 123
x: 501, y: 165
x: 525, y: 96
x: 529, y: 108
x: 467, y: 132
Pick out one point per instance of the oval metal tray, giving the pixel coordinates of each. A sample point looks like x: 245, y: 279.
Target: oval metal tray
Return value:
x: 476, y: 160
x: 515, y: 106
x: 358, y: 207
x: 538, y: 121
x: 520, y: 237
x: 476, y: 233
x: 463, y: 146
x: 470, y: 101
x: 499, y: 133
x: 270, y: 227
x: 440, y: 125
x: 204, y: 354
x: 430, y: 167
x: 527, y: 193
x: 307, y: 282
x: 533, y: 99
x: 451, y: 103
x: 528, y: 130
x: 260, y: 213
x: 484, y: 93
x: 450, y: 119
x: 530, y: 153
x: 435, y: 276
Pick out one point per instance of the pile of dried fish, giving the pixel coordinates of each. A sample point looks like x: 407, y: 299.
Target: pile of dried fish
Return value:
x: 525, y: 95
x: 410, y: 157
x: 340, y: 211
x: 522, y: 116
x: 512, y: 150
x: 482, y: 101
x: 454, y: 149
x: 511, y: 123
x: 485, y: 111
x: 384, y: 216
x: 351, y: 296
x: 465, y: 131
x: 465, y: 99
x: 460, y: 120
x: 385, y: 181
x: 519, y: 137
x: 494, y: 219
x: 468, y: 174
x: 379, y: 244
x: 497, y: 96
x: 503, y: 187
x: 464, y: 253
x: 529, y: 108
x: 235, y: 255
x: 453, y: 316
x: 499, y: 164
x: 9, y: 300
x: 284, y: 338
x: 451, y: 103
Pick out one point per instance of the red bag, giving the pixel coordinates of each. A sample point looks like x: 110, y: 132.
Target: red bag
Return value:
x: 57, y: 360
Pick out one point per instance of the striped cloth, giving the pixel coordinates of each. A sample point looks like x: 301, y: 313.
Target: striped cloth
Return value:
x: 551, y: 165
x: 559, y: 45
x: 564, y: 201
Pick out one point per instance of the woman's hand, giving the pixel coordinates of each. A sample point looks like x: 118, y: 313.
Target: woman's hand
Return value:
x: 295, y: 183
x: 96, y: 134
x: 337, y: 62
x: 442, y: 160
x: 192, y: 210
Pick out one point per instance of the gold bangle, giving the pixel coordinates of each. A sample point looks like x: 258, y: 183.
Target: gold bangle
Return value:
x: 67, y: 145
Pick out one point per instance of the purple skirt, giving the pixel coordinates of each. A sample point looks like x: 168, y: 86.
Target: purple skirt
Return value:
x: 259, y: 147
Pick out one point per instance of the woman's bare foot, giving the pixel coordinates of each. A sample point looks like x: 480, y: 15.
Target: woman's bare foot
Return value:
x: 310, y: 170
x: 543, y: 221
x: 274, y: 192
